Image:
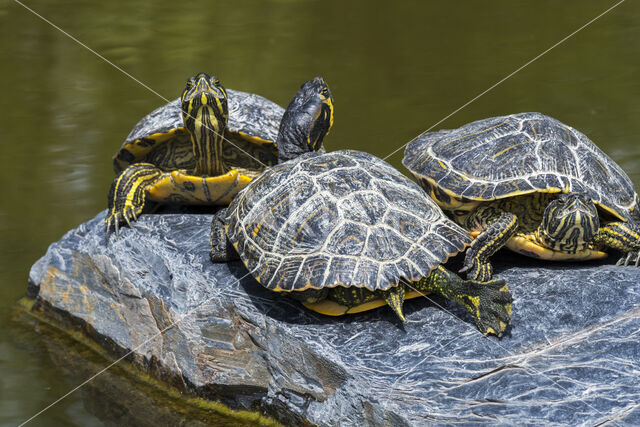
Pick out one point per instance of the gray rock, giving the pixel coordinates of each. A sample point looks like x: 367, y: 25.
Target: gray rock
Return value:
x: 571, y: 356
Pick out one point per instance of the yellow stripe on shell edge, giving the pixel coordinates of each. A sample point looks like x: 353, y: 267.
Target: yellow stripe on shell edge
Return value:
x: 332, y: 308
x: 253, y: 139
x: 139, y: 149
x: 461, y: 204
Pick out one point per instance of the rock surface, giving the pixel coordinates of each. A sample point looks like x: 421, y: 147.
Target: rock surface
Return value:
x: 571, y: 356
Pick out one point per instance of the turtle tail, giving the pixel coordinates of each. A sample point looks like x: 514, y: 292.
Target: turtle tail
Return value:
x: 395, y: 299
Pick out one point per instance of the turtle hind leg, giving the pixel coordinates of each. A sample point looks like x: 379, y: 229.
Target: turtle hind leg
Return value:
x: 488, y: 302
x: 128, y: 193
x: 499, y: 227
x: 221, y: 248
x: 624, y: 237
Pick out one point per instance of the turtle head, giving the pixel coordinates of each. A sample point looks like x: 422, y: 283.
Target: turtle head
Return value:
x: 569, y: 223
x: 306, y: 121
x: 205, y: 114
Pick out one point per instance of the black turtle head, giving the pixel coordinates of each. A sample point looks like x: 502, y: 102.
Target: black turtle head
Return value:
x: 205, y: 114
x: 306, y: 121
x: 570, y: 222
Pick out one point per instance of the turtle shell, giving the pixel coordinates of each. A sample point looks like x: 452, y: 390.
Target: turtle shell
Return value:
x: 344, y: 218
x: 161, y: 138
x: 519, y: 154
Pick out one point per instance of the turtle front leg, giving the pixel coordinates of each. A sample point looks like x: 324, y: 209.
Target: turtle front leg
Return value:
x: 221, y: 248
x: 128, y: 193
x: 624, y: 237
x: 488, y: 302
x: 498, y: 227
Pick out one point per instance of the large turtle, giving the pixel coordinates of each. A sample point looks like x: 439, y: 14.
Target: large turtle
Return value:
x: 199, y: 149
x: 344, y: 232
x: 531, y: 183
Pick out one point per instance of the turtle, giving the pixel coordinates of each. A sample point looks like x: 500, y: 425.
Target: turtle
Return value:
x: 531, y: 183
x: 199, y: 149
x: 344, y: 232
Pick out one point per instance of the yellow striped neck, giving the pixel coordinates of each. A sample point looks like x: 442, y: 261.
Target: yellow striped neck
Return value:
x: 570, y: 235
x: 207, y: 139
x: 569, y: 223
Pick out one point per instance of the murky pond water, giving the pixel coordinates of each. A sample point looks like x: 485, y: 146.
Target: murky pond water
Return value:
x: 395, y: 69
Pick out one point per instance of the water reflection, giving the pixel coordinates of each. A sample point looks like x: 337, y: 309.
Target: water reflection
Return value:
x: 115, y: 397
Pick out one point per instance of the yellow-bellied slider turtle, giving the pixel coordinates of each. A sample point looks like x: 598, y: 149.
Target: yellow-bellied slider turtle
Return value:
x: 531, y: 183
x: 186, y: 153
x: 345, y: 232
x: 199, y: 149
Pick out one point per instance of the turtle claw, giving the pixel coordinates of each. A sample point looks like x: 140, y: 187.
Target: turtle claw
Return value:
x: 394, y: 297
x: 116, y: 226
x: 488, y: 302
x: 494, y: 310
x: 128, y: 192
x: 129, y: 215
x: 119, y: 218
x: 629, y: 259
x: 107, y: 229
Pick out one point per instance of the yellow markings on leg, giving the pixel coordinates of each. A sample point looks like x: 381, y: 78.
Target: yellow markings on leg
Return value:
x: 395, y: 299
x: 619, y: 235
x: 490, y: 244
x: 134, y: 183
x: 254, y: 139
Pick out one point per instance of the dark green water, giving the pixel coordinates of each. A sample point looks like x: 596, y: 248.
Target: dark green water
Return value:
x: 395, y: 69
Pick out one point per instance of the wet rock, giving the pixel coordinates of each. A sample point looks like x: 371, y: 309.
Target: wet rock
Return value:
x: 572, y: 354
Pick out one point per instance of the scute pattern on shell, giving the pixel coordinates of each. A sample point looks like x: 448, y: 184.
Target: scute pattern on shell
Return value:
x: 170, y: 148
x: 249, y: 113
x: 342, y: 218
x: 496, y: 157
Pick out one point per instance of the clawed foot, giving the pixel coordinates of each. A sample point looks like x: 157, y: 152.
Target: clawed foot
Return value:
x: 117, y: 218
x: 476, y: 269
x: 490, y: 305
x: 632, y: 258
x: 127, y: 194
x: 221, y: 248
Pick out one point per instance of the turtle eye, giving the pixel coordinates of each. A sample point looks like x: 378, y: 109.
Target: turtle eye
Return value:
x: 190, y: 82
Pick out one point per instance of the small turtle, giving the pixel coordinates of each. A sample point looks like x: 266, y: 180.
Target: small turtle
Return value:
x: 531, y: 183
x: 345, y: 232
x: 199, y: 149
